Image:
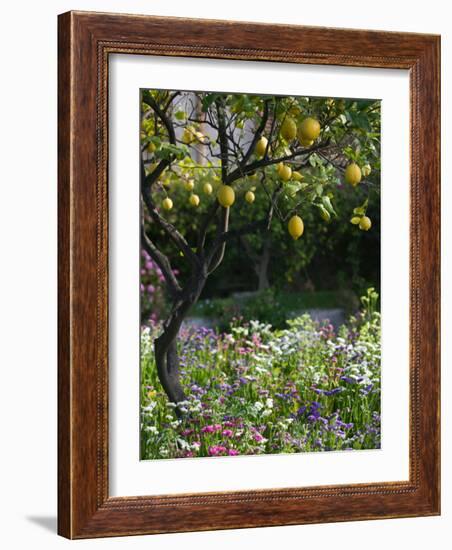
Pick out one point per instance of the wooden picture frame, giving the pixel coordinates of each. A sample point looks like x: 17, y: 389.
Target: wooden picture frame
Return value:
x: 85, y: 508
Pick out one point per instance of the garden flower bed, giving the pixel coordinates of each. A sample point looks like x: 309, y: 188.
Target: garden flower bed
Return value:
x: 254, y: 390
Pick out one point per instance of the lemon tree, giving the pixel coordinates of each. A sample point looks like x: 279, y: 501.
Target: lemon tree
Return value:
x: 206, y: 157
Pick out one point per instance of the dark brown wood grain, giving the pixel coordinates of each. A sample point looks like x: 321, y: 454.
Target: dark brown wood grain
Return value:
x: 85, y: 42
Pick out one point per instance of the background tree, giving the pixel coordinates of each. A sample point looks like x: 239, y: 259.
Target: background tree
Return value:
x: 273, y: 160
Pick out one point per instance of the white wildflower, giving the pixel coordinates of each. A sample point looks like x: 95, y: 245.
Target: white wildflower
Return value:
x: 182, y: 443
x: 149, y: 408
x: 151, y: 429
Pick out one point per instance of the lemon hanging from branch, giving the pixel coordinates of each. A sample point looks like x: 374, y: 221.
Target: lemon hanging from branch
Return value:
x: 366, y: 170
x: 284, y: 171
x: 352, y: 174
x: 167, y: 203
x: 295, y: 227
x: 289, y: 129
x: 207, y: 188
x: 151, y: 147
x: 194, y: 200
x: 188, y: 136
x: 261, y: 146
x: 226, y: 196
x: 249, y: 197
x: 189, y: 185
x: 309, y: 130
x: 306, y: 142
x: 365, y: 223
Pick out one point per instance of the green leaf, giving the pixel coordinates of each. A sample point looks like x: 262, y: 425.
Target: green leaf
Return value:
x: 361, y: 210
x: 292, y: 187
x: 313, y: 161
x: 167, y: 150
x: 327, y: 204
x: 325, y: 215
x: 208, y: 100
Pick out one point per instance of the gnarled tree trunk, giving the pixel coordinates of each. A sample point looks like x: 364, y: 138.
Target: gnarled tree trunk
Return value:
x: 165, y: 346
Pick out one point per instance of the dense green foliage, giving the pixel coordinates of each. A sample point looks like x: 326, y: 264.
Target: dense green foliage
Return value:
x: 332, y: 254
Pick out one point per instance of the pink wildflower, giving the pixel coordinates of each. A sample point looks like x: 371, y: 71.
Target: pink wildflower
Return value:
x: 208, y: 429
x: 256, y: 340
x: 216, y: 450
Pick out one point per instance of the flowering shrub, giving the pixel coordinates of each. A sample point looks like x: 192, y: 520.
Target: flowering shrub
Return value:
x: 151, y: 289
x: 254, y: 390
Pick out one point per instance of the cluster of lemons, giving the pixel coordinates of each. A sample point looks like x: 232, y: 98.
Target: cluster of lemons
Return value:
x: 353, y: 175
x: 225, y: 195
x: 306, y: 132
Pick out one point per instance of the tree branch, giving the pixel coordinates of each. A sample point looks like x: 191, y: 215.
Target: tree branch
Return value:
x: 216, y: 258
x: 209, y: 216
x: 257, y: 134
x: 244, y: 230
x: 149, y: 100
x: 223, y: 140
x: 242, y: 171
x: 166, y: 226
x: 163, y: 262
x: 161, y: 113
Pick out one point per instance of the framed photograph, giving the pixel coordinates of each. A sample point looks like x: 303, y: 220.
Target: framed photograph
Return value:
x: 249, y: 244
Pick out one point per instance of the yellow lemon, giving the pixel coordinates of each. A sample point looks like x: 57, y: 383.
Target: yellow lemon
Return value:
x: 295, y: 227
x: 194, y: 200
x: 366, y: 170
x: 167, y: 203
x: 151, y: 147
x: 297, y: 176
x: 189, y: 185
x: 289, y: 129
x: 188, y: 136
x: 207, y: 189
x: 365, y: 224
x: 249, y: 197
x: 261, y: 146
x: 284, y: 171
x: 353, y: 174
x: 309, y: 129
x: 226, y: 196
x: 355, y: 220
x: 306, y: 142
